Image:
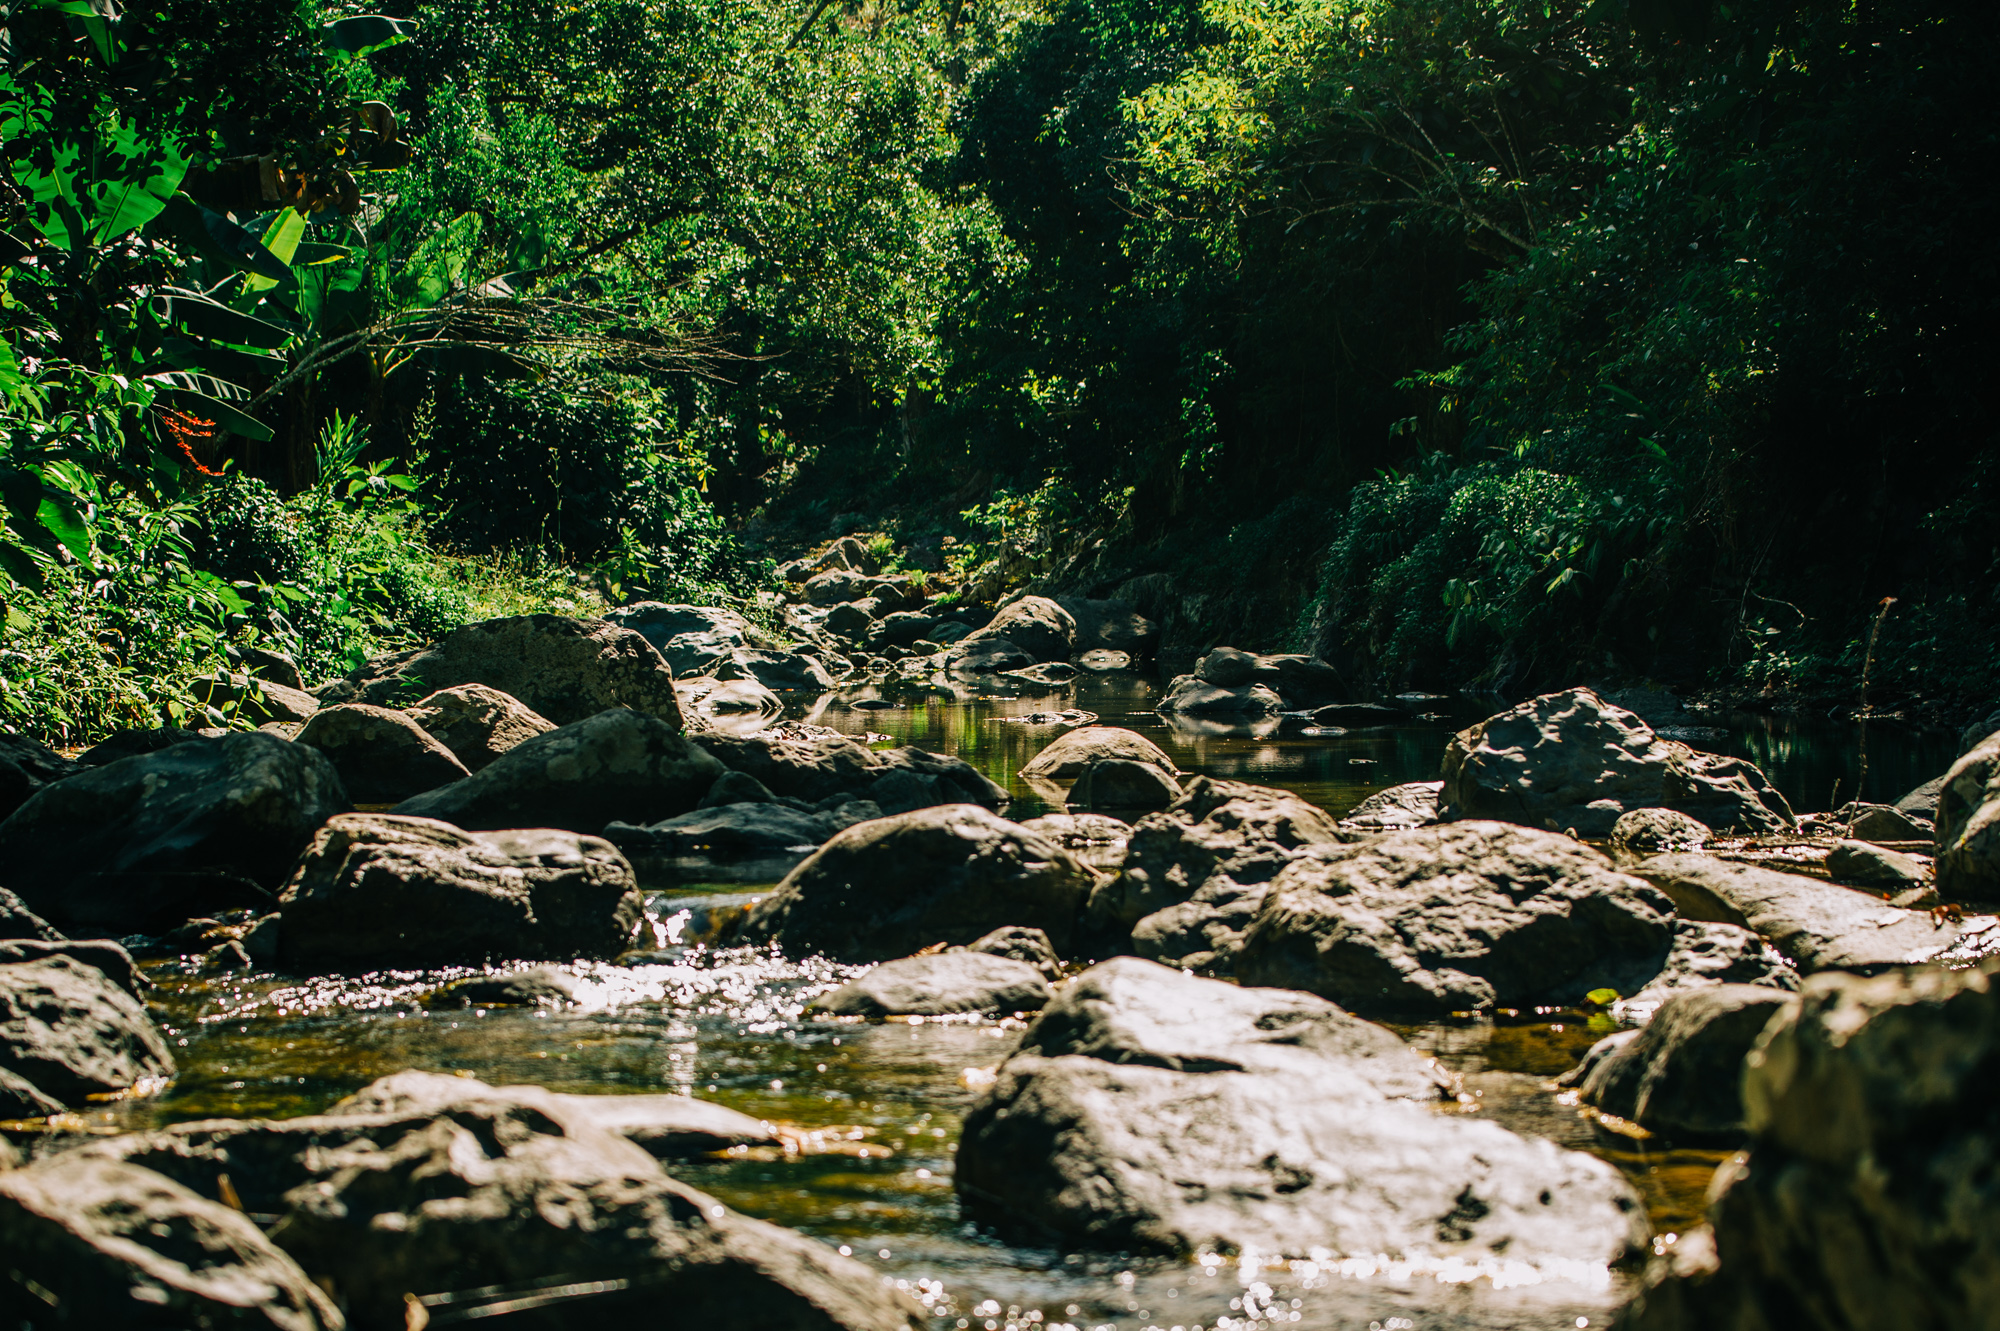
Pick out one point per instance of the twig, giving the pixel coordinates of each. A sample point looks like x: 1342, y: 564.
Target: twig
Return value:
x: 1868, y: 664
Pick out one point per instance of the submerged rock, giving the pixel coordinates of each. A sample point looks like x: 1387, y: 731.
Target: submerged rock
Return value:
x: 382, y: 756
x: 1682, y: 1075
x: 1151, y: 1111
x: 939, y: 984
x: 564, y: 669
x: 109, y: 1244
x: 142, y: 844
x: 749, y: 842
x: 1192, y: 696
x: 619, y: 765
x: 1865, y: 1198
x: 1816, y: 925
x: 1462, y: 916
x: 478, y: 723
x: 1572, y: 761
x: 1194, y: 875
x: 69, y: 1032
x: 378, y: 890
x: 542, y: 986
x: 893, y: 886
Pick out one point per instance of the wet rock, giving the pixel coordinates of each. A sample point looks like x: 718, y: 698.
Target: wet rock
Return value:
x: 736, y: 788
x: 1110, y: 626
x: 1034, y: 624
x: 740, y: 696
x: 1357, y: 715
x: 67, y: 1030
x: 1302, y: 681
x: 781, y: 672
x: 904, y: 628
x: 1968, y: 824
x: 817, y: 768
x: 1865, y: 1198
x: 1572, y: 761
x: 508, y: 1191
x: 26, y: 766
x: 1020, y: 944
x: 669, y: 1127
x: 1151, y: 1111
x: 1412, y: 804
x: 1705, y: 954
x: 938, y: 984
x: 1194, y: 875
x: 1882, y: 822
x: 1682, y: 1075
x: 896, y: 885
x: 377, y: 890
x: 142, y: 844
x: 254, y: 700
x: 1095, y: 839
x: 1226, y: 667
x: 1048, y: 672
x: 618, y: 766
x: 1191, y: 696
x: 17, y: 921
x: 130, y: 743
x: 382, y: 756
x: 109, y: 1244
x: 985, y: 656
x: 478, y: 723
x: 1462, y: 916
x: 567, y: 670
x: 263, y: 663
x: 945, y: 632
x: 1644, y: 832
x: 1069, y: 754
x: 756, y: 837
x: 1120, y: 783
x: 1816, y: 925
x: 1866, y: 865
x: 540, y: 986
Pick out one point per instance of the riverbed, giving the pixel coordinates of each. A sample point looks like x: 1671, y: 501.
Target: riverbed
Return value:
x: 878, y: 1106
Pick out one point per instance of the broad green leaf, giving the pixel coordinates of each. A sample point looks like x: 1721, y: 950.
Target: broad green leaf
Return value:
x: 214, y: 409
x: 366, y: 33
x: 218, y: 237
x: 143, y: 173
x: 281, y: 241
x: 60, y: 517
x: 204, y: 385
x: 10, y: 370
x: 20, y: 568
x: 239, y: 365
x: 218, y: 322
x: 312, y: 255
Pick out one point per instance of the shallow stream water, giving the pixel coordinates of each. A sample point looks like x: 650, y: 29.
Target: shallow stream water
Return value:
x: 883, y: 1102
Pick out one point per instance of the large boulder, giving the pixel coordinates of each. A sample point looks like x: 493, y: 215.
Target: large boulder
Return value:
x: 661, y: 624
x: 1110, y: 625
x: 1462, y: 916
x: 144, y: 843
x: 1707, y: 953
x: 132, y: 742
x: 939, y: 984
x: 69, y: 1032
x: 244, y: 698
x: 498, y: 1198
x: 1573, y: 761
x: 837, y: 586
x: 1195, y: 874
x: 1035, y: 624
x: 1646, y: 832
x: 17, y: 921
x: 1412, y: 804
x: 108, y: 958
x: 1814, y: 924
x: 94, y: 1242
x: 1152, y: 1111
x: 382, y: 755
x: 969, y: 657
x: 26, y: 766
x: 564, y: 669
x: 478, y: 723
x: 1866, y: 1199
x: 1069, y: 753
x: 896, y: 885
x: 1122, y: 784
x: 377, y: 890
x: 1968, y: 824
x: 781, y: 672
x: 817, y: 768
x: 1192, y: 696
x: 617, y: 766
x: 1681, y: 1075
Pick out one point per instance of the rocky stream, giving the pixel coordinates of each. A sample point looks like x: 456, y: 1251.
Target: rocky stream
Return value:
x: 973, y: 972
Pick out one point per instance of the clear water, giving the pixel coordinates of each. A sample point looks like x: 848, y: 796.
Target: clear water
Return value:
x: 727, y: 1026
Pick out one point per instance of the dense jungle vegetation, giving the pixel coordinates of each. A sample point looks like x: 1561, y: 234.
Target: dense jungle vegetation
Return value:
x: 1497, y: 342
